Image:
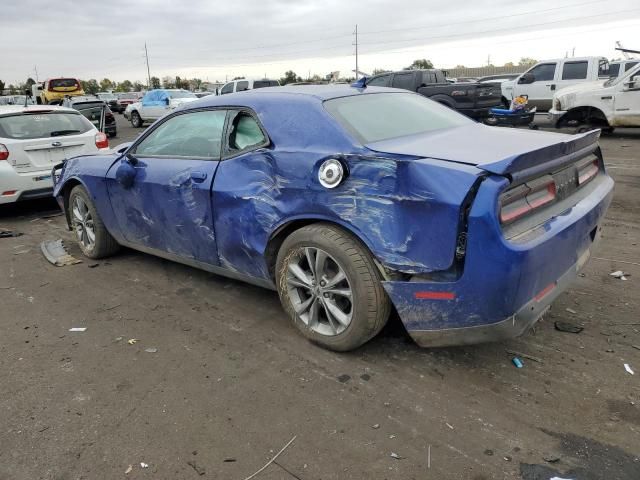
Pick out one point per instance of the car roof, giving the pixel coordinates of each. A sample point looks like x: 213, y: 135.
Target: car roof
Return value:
x: 13, y: 109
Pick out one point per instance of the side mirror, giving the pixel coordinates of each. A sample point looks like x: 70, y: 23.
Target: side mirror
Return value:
x: 526, y: 78
x: 167, y: 101
x: 126, y: 172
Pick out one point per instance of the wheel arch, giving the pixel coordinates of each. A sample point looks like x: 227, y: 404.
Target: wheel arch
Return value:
x: 288, y: 226
x: 584, y: 114
x: 65, y: 192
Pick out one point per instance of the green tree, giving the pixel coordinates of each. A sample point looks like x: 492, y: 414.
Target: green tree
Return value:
x: 124, y: 86
x: 509, y: 64
x: 13, y: 89
x: 1, y: 87
x: 237, y: 78
x: 290, y: 77
x: 168, y: 82
x: 419, y: 64
x: 137, y: 86
x: 106, y: 84
x: 524, y: 61
x: 90, y: 87
x: 378, y: 71
x: 29, y: 83
x: 155, y: 82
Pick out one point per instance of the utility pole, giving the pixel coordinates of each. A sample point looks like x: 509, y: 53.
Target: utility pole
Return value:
x: 146, y: 54
x: 35, y: 69
x: 488, y: 60
x: 356, y: 44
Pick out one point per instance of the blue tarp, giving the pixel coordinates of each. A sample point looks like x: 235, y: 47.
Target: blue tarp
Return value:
x: 155, y: 98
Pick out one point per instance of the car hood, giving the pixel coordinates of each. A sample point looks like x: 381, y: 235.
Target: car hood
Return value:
x: 503, y: 151
x: 580, y: 88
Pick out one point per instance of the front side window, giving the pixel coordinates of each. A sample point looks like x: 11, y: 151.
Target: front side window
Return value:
x: 189, y: 135
x: 575, y: 70
x: 245, y: 133
x: 381, y: 81
x: 381, y: 116
x: 629, y: 66
x: 28, y: 126
x: 265, y: 83
x: 403, y: 80
x: 543, y: 72
x: 242, y: 86
x: 228, y: 88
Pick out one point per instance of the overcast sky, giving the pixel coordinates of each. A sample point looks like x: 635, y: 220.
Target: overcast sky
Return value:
x: 214, y: 39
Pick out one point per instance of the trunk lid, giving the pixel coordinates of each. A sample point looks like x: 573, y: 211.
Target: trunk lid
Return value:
x: 501, y: 151
x: 43, y: 153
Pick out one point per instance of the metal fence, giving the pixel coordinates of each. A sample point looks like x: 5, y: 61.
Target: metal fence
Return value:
x: 483, y: 71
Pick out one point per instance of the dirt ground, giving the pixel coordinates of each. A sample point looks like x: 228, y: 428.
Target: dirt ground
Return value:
x: 232, y: 382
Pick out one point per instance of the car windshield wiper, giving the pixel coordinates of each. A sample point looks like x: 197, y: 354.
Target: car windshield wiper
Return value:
x: 57, y: 133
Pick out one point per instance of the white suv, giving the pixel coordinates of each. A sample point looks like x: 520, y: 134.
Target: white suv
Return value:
x: 33, y: 140
x: 242, y: 85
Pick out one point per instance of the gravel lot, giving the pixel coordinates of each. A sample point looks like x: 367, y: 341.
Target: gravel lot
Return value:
x: 232, y: 382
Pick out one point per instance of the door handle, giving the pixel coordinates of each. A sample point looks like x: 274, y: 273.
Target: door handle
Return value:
x: 198, y: 177
x: 552, y: 85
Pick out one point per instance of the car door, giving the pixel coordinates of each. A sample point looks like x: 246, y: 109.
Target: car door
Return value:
x: 572, y: 72
x: 541, y: 90
x: 166, y: 204
x: 627, y: 102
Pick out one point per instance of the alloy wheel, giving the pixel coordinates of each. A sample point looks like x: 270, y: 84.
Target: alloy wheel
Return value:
x: 319, y: 291
x: 83, y: 223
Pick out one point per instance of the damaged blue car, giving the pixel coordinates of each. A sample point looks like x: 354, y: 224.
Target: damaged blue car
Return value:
x: 351, y: 203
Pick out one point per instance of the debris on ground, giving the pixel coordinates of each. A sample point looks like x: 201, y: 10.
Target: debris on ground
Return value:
x: 199, y: 470
x: 517, y: 362
x: 128, y: 470
x: 637, y: 347
x: 78, y: 329
x: 344, y: 378
x: 151, y: 350
x: 229, y: 460
x: 144, y: 465
x: 376, y: 426
x: 132, y: 341
x: 571, y: 310
x: 551, y: 458
x: 627, y: 367
x: 273, y: 459
x: 449, y: 425
x: 620, y: 274
x: 9, y: 234
x: 93, y: 265
x: 568, y: 327
x: 54, y: 251
x: 112, y: 307
x: 524, y: 355
x: 396, y: 456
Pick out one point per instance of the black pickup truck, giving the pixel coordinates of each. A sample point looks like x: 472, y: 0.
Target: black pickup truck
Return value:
x: 472, y: 99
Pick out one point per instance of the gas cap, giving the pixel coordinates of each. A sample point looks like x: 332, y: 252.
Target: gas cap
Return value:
x: 331, y: 173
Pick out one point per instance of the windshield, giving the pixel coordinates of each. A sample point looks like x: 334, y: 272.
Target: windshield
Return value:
x: 630, y: 73
x: 181, y: 94
x: 381, y: 116
x: 26, y: 126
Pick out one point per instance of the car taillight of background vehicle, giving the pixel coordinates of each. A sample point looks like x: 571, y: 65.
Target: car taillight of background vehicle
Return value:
x: 4, y: 153
x: 522, y: 200
x: 101, y: 140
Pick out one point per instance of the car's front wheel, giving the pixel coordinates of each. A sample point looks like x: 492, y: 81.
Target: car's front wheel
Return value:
x: 330, y: 286
x: 93, y: 238
x: 136, y: 120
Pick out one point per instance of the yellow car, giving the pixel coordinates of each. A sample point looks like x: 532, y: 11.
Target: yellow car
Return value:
x: 55, y: 89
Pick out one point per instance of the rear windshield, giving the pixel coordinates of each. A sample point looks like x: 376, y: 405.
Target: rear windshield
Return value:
x: 381, y: 116
x: 129, y: 96
x: 63, y: 83
x: 25, y: 126
x: 265, y: 83
x: 107, y: 96
x: 181, y: 94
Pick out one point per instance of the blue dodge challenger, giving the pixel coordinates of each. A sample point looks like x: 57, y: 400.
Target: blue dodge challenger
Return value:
x: 351, y: 202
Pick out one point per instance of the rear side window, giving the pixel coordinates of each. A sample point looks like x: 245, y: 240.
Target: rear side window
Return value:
x: 381, y: 116
x: 245, y: 133
x: 629, y: 66
x: 265, y: 83
x: 242, y: 86
x: 381, y: 81
x: 428, y: 77
x: 574, y: 70
x: 403, y: 80
x: 64, y: 83
x: 28, y: 126
x: 543, y: 72
x: 614, y: 70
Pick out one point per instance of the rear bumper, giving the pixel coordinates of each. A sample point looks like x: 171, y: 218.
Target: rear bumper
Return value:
x: 505, y: 286
x: 24, y: 186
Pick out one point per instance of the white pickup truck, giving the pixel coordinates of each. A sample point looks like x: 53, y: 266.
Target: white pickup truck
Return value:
x: 606, y: 105
x: 155, y: 104
x: 542, y: 80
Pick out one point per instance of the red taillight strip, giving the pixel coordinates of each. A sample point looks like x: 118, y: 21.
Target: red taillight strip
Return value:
x: 548, y: 197
x: 584, y: 175
x: 545, y: 291
x: 435, y: 295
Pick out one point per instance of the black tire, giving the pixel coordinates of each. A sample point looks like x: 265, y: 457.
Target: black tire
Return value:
x: 136, y: 120
x: 370, y: 305
x: 104, y: 244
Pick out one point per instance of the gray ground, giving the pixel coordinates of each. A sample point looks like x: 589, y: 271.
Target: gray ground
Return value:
x: 232, y: 382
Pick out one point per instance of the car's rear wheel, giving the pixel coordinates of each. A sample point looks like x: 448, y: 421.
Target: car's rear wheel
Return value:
x: 93, y: 238
x: 330, y: 286
x: 136, y: 120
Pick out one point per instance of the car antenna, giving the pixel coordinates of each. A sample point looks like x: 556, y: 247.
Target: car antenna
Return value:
x: 362, y: 83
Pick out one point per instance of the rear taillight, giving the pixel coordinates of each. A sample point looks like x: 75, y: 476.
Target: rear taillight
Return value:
x: 524, y: 199
x: 588, y: 171
x: 101, y: 140
x: 4, y: 153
